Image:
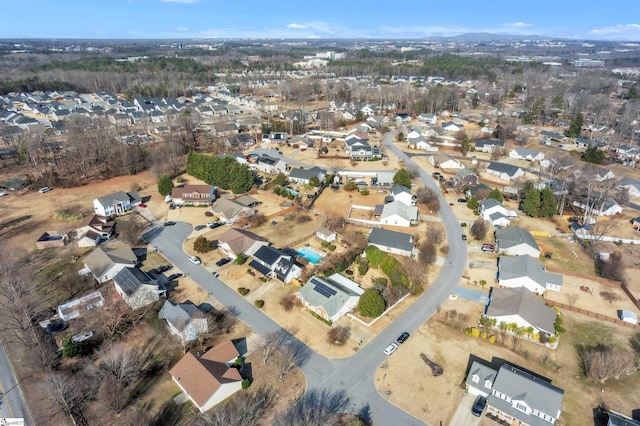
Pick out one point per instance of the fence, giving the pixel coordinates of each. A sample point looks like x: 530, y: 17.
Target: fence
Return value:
x: 595, y: 315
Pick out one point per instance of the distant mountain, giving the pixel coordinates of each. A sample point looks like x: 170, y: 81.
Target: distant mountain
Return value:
x: 487, y: 37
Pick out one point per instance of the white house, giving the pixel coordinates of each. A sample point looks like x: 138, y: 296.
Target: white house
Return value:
x: 444, y: 161
x: 208, y: 378
x: 398, y: 213
x: 325, y: 234
x: 184, y: 320
x: 137, y: 288
x: 116, y: 204
x: 526, y: 154
x: 525, y: 271
x: 521, y: 307
x: 403, y: 194
x: 274, y: 263
x: 104, y: 263
x: 428, y: 118
x: 494, y: 212
x: 606, y: 207
x: 515, y: 241
x: 392, y: 241
x: 504, y: 171
x: 330, y: 297
x: 488, y: 145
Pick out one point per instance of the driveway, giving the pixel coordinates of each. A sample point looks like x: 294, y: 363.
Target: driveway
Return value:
x: 463, y: 415
x: 473, y: 295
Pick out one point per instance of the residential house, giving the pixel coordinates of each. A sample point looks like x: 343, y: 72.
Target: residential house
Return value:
x: 521, y: 307
x: 230, y: 211
x: 516, y: 396
x: 247, y: 201
x: 450, y: 126
x: 420, y: 143
x: 392, y: 241
x: 465, y: 177
x: 193, y: 195
x: 494, y: 212
x: 137, y: 288
x: 359, y: 149
x: 303, y: 176
x: 444, y: 161
x: 504, y: 171
x: 525, y: 271
x: 325, y: 234
x: 428, y: 118
x: 385, y: 178
x: 403, y: 194
x: 593, y: 172
x: 184, y: 320
x: 93, y: 229
x: 275, y: 263
x: 240, y: 141
x: 526, y: 154
x: 226, y: 129
x: 515, y: 241
x: 617, y: 419
x: 599, y: 206
x: 397, y: 213
x: 488, y: 145
x: 277, y: 137
x: 208, y: 378
x: 270, y: 165
x: 104, y: 263
x: 237, y: 241
x: 301, y: 142
x: 631, y: 185
x: 115, y: 204
x: 330, y: 297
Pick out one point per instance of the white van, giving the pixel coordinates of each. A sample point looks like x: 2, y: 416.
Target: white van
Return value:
x: 43, y: 190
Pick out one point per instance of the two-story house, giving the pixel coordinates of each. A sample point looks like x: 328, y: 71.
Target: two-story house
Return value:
x: 274, y: 263
x: 184, y: 320
x: 116, y: 204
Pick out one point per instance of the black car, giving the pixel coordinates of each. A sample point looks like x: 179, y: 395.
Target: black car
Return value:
x: 462, y: 200
x: 170, y: 223
x: 478, y: 406
x: 404, y: 336
x: 162, y: 268
x: 174, y: 276
x: 215, y: 225
x: 199, y: 227
x: 223, y: 261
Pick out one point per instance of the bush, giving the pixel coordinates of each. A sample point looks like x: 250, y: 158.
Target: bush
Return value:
x: 492, y: 339
x: 243, y: 291
x: 371, y: 304
x: 303, y: 218
x: 475, y: 332
x: 259, y: 303
x: 179, y: 179
x: 201, y: 245
x: 338, y: 335
x: 326, y: 321
x: 246, y: 383
x: 364, y: 192
x: 380, y: 282
x: 208, y: 214
x: 288, y: 302
x: 331, y: 247
x: 341, y: 266
x: 240, y: 259
x: 363, y: 267
x: 325, y: 244
x: 444, y: 249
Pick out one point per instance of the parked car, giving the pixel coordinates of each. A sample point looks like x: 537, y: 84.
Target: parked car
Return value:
x: 464, y: 237
x: 223, y: 261
x: 81, y: 337
x: 391, y: 348
x: 381, y: 191
x: 142, y: 206
x: 488, y: 247
x: 403, y: 337
x: 172, y: 206
x: 44, y: 189
x: 162, y: 268
x: 200, y: 227
x: 478, y: 406
x: 170, y: 223
x: 195, y: 260
x: 174, y: 276
x: 462, y: 200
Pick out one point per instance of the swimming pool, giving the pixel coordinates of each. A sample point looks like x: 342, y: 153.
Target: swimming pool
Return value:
x: 309, y: 254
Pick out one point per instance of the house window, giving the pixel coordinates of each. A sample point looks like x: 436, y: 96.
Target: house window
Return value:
x: 521, y: 407
x: 475, y: 378
x: 487, y: 384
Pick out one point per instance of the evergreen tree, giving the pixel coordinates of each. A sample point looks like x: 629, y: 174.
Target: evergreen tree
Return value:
x: 314, y: 181
x: 496, y: 194
x: 531, y: 204
x: 548, y: 203
x: 473, y: 203
x: 465, y: 146
x: 165, y: 185
x: 593, y: 155
x: 403, y: 178
x: 576, y: 126
x: 371, y: 303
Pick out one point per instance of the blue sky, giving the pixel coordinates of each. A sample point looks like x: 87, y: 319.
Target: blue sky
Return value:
x: 141, y: 19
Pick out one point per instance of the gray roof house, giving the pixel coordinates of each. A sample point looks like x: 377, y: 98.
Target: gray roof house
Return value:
x: 519, y: 397
x: 617, y: 419
x: 504, y: 171
x: 270, y: 165
x: 274, y: 263
x: 522, y: 307
x: 184, y: 320
x: 330, y: 297
x: 116, y: 204
x: 104, y: 263
x: 525, y: 271
x: 526, y: 154
x: 392, y: 241
x: 303, y: 176
x: 496, y: 213
x: 137, y: 288
x: 515, y: 241
x: 488, y: 145
x: 397, y: 213
x: 230, y: 211
x: 480, y: 379
x: 403, y: 194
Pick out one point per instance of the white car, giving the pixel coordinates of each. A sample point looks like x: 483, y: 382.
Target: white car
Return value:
x: 44, y: 189
x: 391, y: 348
x: 195, y: 260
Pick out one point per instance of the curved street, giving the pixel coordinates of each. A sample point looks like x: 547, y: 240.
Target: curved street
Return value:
x: 355, y: 374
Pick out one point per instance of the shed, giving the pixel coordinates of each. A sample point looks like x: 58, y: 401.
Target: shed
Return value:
x: 628, y: 316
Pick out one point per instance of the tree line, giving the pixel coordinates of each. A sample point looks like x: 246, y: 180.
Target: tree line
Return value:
x: 224, y: 172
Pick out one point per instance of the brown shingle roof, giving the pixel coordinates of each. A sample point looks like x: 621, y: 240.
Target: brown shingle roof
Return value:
x: 239, y: 240
x: 202, y: 376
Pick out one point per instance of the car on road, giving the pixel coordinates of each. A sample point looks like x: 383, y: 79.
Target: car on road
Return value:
x: 462, y: 200
x: 464, y: 237
x: 488, y: 247
x: 223, y: 261
x: 200, y: 227
x: 195, y: 260
x: 403, y: 337
x: 391, y: 348
x: 170, y: 223
x: 44, y: 189
x: 478, y: 406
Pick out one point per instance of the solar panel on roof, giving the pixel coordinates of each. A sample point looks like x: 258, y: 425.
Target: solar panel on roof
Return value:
x: 323, y: 289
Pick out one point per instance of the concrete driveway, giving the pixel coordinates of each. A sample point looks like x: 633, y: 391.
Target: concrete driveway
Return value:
x: 463, y: 416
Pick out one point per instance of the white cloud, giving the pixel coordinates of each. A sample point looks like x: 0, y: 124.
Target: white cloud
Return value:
x: 629, y: 32
x: 297, y: 26
x: 517, y: 24
x: 182, y: 29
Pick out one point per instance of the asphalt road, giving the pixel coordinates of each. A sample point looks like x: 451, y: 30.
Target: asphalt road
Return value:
x: 12, y: 403
x: 353, y: 375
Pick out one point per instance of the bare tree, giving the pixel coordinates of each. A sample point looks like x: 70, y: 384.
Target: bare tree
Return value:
x: 602, y: 362
x: 572, y: 298
x: 416, y: 271
x: 270, y: 343
x: 428, y: 254
x: 613, y: 268
x: 131, y: 228
x: 479, y: 229
x: 315, y: 408
x: 124, y: 363
x: 428, y: 197
x: 610, y: 296
x: 67, y: 395
x: 335, y: 221
x: 247, y: 408
x: 113, y: 393
x: 338, y: 335
x: 434, y: 234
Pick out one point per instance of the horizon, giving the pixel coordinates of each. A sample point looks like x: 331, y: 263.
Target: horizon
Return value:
x: 332, y: 20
